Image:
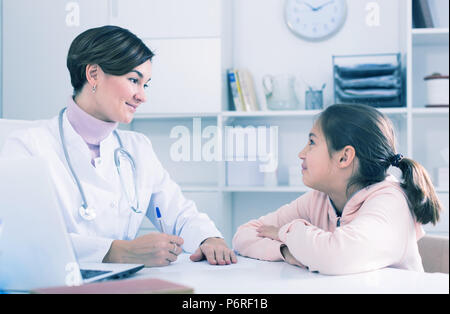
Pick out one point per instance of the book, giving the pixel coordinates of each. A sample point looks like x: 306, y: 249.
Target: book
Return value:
x: 248, y: 90
x: 133, y: 286
x: 422, y: 17
x: 233, y: 83
x: 243, y: 90
x: 239, y: 88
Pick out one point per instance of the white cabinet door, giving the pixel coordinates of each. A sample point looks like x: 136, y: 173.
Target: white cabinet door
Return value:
x: 168, y: 18
x: 36, y: 39
x: 186, y: 76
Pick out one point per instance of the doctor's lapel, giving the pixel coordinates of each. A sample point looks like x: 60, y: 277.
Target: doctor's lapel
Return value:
x: 80, y: 156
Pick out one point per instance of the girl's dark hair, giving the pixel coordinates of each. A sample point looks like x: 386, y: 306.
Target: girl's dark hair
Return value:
x: 371, y: 134
x: 116, y: 50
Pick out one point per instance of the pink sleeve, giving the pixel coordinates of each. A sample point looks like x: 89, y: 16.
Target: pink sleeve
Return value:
x: 247, y: 243
x: 376, y: 238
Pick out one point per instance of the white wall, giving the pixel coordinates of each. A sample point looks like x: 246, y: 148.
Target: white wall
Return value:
x: 36, y: 39
x: 263, y: 43
x: 1, y: 58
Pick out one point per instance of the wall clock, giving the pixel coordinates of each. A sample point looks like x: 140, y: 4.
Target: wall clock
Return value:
x: 315, y: 19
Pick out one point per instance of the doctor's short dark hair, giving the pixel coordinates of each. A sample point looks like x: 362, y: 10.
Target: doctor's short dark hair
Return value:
x: 371, y: 134
x: 116, y: 50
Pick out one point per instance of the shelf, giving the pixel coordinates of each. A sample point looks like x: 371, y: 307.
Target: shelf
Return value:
x: 244, y: 189
x: 187, y: 115
x: 200, y: 188
x: 255, y: 114
x: 234, y: 114
x: 286, y: 113
x: 267, y: 189
x: 258, y: 189
x: 432, y: 112
x: 430, y: 36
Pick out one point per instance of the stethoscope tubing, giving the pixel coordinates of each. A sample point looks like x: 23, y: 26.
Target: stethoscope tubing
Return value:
x: 85, y: 212
x: 69, y: 163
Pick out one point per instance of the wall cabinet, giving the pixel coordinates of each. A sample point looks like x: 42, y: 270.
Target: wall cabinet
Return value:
x: 189, y: 39
x: 186, y: 76
x: 169, y: 18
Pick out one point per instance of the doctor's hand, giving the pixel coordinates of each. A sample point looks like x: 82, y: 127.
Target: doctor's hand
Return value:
x: 216, y: 251
x: 153, y: 249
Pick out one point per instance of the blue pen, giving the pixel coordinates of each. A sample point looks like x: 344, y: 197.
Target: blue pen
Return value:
x: 158, y: 217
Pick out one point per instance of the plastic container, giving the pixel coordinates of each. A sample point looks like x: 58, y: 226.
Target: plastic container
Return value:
x: 437, y: 90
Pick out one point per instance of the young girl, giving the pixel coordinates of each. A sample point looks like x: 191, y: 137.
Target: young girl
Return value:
x: 357, y: 218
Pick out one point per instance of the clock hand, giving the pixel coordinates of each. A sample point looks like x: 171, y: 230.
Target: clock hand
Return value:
x: 323, y: 5
x: 307, y: 4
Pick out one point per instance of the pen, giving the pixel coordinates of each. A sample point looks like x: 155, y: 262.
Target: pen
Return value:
x: 158, y: 217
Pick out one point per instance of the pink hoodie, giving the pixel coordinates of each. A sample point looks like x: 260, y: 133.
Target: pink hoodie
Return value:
x: 376, y: 230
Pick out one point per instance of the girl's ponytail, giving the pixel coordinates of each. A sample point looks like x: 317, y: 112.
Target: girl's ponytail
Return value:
x: 419, y: 189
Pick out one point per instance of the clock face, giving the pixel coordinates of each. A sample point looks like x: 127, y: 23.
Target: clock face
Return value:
x: 315, y: 19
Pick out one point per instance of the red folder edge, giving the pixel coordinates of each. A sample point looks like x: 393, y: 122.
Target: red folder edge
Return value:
x: 134, y: 286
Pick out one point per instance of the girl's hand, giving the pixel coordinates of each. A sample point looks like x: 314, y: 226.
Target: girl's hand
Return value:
x: 270, y: 232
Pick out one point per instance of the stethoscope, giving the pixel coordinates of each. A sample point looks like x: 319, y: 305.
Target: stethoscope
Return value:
x: 85, y: 211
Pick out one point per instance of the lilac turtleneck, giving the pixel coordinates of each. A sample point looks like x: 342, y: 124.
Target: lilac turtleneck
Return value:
x: 91, y: 129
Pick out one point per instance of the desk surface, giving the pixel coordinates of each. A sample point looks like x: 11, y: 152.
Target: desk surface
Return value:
x: 260, y: 277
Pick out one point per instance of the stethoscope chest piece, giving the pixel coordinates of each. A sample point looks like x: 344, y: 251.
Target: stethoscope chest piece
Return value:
x: 87, y: 214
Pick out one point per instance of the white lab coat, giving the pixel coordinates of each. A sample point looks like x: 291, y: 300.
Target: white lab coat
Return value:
x: 115, y: 220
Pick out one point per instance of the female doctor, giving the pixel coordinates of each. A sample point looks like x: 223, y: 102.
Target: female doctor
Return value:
x: 107, y: 180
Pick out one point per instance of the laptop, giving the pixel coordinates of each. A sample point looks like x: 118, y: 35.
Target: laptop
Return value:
x: 35, y: 249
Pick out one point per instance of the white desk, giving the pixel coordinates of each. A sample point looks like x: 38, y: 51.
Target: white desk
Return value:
x: 251, y: 276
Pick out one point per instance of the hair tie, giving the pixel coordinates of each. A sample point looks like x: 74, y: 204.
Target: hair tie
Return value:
x: 396, y: 159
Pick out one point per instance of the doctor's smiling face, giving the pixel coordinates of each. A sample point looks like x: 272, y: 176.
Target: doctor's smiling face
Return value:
x: 109, y: 69
x: 116, y: 98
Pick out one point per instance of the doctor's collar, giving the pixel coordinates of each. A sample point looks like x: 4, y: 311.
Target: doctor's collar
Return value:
x: 92, y: 130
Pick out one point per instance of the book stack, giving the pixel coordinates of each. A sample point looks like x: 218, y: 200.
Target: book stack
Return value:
x: 242, y: 90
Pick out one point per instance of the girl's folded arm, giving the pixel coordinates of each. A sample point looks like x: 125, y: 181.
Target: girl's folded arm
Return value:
x: 376, y: 238
x: 247, y: 242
